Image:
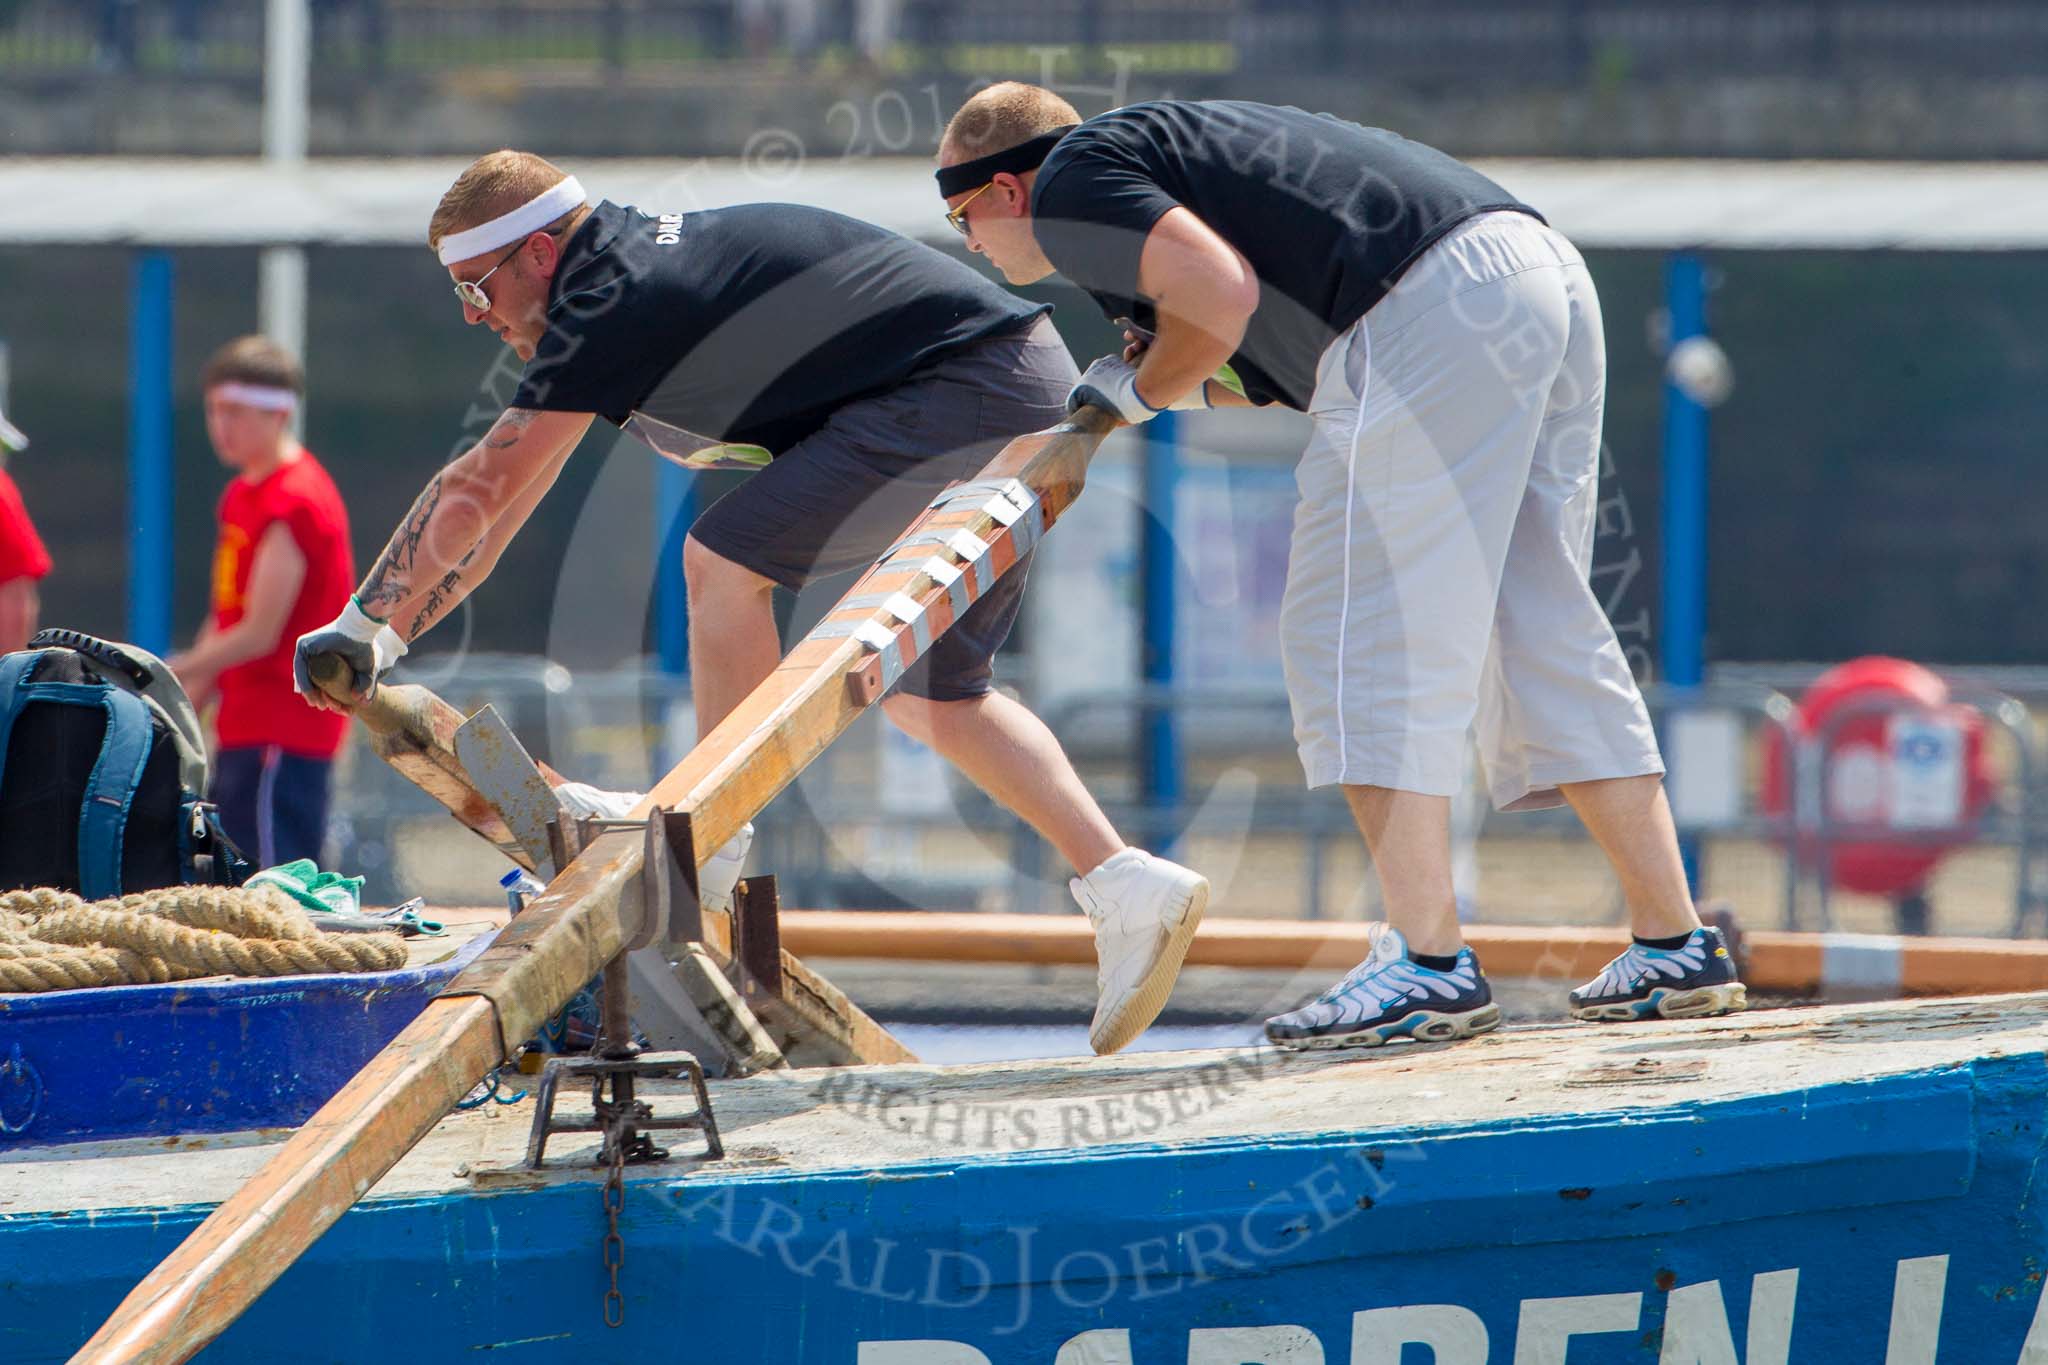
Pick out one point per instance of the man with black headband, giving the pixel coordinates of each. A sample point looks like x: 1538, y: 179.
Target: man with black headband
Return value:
x: 1447, y: 345
x: 856, y: 374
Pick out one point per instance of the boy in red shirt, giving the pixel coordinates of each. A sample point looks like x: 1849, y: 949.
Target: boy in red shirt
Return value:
x: 281, y: 567
x: 23, y: 560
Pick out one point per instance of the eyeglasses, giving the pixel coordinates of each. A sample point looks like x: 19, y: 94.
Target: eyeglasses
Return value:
x: 957, y: 215
x: 472, y: 292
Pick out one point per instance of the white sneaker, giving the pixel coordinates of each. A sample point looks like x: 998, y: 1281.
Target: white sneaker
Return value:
x: 1144, y: 910
x: 721, y: 872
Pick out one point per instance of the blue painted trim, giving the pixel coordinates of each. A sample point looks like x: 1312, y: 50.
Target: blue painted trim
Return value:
x: 1161, y: 778
x: 1684, y: 624
x: 150, y: 489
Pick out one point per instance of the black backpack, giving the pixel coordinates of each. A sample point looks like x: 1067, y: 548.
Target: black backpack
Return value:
x: 103, y: 773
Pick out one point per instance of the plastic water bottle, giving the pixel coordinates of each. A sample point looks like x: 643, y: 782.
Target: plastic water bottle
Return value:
x: 520, y: 887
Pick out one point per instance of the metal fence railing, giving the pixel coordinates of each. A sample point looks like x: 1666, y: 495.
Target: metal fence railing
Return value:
x: 1528, y: 41
x: 878, y: 822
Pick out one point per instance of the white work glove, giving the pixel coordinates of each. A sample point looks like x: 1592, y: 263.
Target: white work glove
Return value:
x: 586, y: 802
x: 1111, y: 383
x: 368, y: 646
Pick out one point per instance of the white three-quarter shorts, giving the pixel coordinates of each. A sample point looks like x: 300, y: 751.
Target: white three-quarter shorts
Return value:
x: 1438, y: 578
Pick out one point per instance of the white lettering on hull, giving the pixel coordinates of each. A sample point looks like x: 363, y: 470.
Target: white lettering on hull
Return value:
x: 1109, y: 1346
x: 1544, y: 1333
x: 1916, y: 1310
x: 1696, y: 1330
x: 919, y: 1353
x: 1454, y: 1334
x: 1254, y: 1346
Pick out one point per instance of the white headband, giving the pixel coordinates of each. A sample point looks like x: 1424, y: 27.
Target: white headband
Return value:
x: 531, y: 216
x: 261, y: 396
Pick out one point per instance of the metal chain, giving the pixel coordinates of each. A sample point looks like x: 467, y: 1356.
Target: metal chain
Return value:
x: 614, y: 1245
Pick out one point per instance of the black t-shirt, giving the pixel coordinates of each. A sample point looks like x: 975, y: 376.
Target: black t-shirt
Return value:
x: 722, y: 338
x: 1329, y: 214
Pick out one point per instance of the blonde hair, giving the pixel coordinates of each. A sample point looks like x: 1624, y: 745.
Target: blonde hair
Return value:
x: 495, y: 184
x: 1002, y: 116
x: 253, y: 360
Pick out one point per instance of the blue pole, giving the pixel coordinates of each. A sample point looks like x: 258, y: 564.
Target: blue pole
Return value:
x: 149, y: 454
x: 674, y: 509
x: 1160, y: 778
x: 1685, y: 506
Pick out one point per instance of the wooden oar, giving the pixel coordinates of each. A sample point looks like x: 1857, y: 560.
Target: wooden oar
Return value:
x: 414, y: 731
x: 589, y: 912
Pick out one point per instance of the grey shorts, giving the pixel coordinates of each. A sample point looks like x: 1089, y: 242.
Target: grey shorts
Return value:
x: 1437, y: 581
x: 841, y: 496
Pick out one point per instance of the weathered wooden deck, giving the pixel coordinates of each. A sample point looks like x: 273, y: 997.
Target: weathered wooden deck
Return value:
x: 872, y: 1117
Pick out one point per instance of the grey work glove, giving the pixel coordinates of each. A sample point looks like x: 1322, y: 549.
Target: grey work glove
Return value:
x: 368, y: 646
x: 1111, y: 383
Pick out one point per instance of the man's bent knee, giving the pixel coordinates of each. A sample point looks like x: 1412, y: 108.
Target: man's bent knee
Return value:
x: 912, y: 715
x: 923, y: 717
x: 707, y: 571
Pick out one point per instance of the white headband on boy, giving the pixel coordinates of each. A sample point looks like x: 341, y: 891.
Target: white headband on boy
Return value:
x: 530, y: 217
x: 264, y: 396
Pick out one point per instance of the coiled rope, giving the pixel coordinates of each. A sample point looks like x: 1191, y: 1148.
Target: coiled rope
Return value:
x: 52, y: 940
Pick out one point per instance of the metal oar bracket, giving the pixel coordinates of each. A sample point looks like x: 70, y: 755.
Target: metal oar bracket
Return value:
x: 625, y: 1120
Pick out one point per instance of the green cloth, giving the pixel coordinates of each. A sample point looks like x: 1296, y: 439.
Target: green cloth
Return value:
x: 320, y: 892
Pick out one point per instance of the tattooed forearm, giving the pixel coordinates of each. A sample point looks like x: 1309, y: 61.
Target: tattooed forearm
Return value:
x: 442, y: 594
x: 450, y: 540
x: 387, y: 583
x: 509, y: 428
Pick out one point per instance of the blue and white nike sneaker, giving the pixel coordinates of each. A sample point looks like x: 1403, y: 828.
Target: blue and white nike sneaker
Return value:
x: 1687, y: 982
x: 1389, y: 997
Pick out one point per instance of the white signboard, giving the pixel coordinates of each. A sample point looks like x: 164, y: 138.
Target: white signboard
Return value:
x: 1926, y: 771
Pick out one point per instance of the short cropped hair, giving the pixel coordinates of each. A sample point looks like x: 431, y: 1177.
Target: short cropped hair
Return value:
x: 495, y: 184
x: 1002, y: 116
x: 253, y: 360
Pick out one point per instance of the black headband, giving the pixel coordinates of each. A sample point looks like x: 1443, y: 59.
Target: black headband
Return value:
x: 1025, y: 156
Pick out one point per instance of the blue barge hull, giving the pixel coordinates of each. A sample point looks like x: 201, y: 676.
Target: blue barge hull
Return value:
x: 1848, y: 1186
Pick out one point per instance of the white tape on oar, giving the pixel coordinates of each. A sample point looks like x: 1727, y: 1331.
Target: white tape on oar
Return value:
x: 974, y: 551
x: 1861, y: 966
x: 910, y: 612
x: 875, y: 636
x: 1030, y: 528
x: 948, y: 576
x: 901, y: 605
x: 888, y: 646
x: 1011, y: 491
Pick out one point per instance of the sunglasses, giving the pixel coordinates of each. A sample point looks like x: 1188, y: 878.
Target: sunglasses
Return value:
x: 957, y: 215
x: 472, y: 292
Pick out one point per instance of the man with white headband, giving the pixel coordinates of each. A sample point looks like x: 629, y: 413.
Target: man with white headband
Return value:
x: 856, y: 374
x: 1446, y: 344
x: 282, y: 564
